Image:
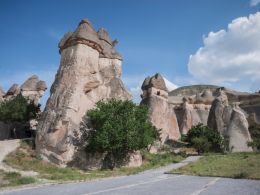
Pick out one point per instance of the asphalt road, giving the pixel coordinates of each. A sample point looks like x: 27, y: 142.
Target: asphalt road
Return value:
x: 150, y: 182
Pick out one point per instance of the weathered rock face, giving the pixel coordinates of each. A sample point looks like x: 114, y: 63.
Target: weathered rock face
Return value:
x: 194, y: 110
x: 211, y: 105
x: 231, y: 122
x: 238, y: 132
x: 89, y: 71
x: 161, y: 113
x: 2, y: 93
x: 220, y: 113
x: 33, y: 89
x: 12, y: 92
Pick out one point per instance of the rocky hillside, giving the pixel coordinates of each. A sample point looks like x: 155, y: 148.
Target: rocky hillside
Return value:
x: 227, y: 111
x: 32, y: 90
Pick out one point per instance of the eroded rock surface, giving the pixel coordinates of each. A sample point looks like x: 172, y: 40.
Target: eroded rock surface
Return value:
x: 194, y: 110
x: 220, y: 112
x: 231, y: 122
x: 90, y: 70
x: 238, y: 132
x: 33, y: 89
x: 161, y: 113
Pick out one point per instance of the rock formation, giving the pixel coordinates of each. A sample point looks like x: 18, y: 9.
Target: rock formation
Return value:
x: 32, y: 90
x: 220, y: 112
x: 231, y: 122
x: 12, y: 92
x: 238, y: 132
x: 211, y: 105
x: 192, y: 104
x: 161, y: 113
x: 90, y: 70
x: 2, y: 93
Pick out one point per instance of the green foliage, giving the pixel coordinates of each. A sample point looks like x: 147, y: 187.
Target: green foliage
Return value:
x: 14, y: 179
x: 205, y: 139
x: 255, y: 143
x: 16, y: 109
x: 255, y: 134
x: 119, y: 127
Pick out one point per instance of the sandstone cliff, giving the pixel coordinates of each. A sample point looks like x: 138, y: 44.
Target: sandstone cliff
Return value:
x: 90, y: 70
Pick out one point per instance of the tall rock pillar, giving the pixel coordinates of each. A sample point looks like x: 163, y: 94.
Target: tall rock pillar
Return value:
x: 161, y: 113
x: 90, y: 70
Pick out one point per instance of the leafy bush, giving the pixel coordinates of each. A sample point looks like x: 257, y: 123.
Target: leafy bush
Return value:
x: 255, y: 144
x: 205, y: 139
x: 16, y: 109
x: 119, y: 127
x: 255, y: 134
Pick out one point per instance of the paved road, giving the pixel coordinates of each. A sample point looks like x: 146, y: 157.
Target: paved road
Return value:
x: 151, y: 182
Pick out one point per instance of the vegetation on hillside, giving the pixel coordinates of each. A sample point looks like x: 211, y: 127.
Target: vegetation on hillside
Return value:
x: 234, y: 165
x: 14, y: 179
x: 255, y: 134
x: 17, y: 109
x: 119, y: 128
x: 205, y: 139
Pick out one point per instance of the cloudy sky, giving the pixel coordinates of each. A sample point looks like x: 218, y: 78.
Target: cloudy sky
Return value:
x: 187, y: 41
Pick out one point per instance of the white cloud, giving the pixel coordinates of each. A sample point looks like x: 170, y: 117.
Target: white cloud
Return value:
x: 254, y: 3
x: 169, y: 85
x: 230, y: 57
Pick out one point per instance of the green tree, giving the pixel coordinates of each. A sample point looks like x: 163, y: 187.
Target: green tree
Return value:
x: 205, y: 139
x: 119, y: 127
x: 16, y: 109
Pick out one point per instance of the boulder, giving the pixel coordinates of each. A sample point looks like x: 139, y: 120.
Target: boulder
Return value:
x: 89, y: 71
x: 238, y: 132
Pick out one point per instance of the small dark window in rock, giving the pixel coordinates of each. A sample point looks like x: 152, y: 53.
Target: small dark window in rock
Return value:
x: 158, y: 92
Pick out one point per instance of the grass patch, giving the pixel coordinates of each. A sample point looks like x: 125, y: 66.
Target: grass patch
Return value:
x: 14, y: 179
x: 25, y: 158
x: 235, y: 165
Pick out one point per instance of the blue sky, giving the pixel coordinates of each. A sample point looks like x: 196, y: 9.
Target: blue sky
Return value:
x: 154, y: 36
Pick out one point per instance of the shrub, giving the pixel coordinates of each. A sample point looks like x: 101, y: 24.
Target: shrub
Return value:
x: 255, y: 144
x: 16, y: 109
x: 255, y: 134
x: 205, y: 139
x: 119, y: 127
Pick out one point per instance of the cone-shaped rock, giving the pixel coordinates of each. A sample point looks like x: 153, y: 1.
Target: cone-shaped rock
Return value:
x: 85, y: 76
